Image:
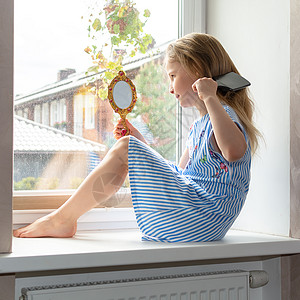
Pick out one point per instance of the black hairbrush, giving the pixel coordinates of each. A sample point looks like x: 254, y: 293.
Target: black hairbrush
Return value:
x: 231, y: 82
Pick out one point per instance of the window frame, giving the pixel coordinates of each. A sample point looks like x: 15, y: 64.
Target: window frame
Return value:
x: 37, y: 113
x: 89, y: 110
x: 189, y: 21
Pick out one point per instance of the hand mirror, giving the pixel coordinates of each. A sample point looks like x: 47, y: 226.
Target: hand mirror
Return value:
x: 122, y: 97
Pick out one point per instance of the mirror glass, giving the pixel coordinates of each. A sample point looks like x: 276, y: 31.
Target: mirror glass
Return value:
x: 122, y: 94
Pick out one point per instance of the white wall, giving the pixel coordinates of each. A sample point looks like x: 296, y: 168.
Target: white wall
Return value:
x: 256, y: 35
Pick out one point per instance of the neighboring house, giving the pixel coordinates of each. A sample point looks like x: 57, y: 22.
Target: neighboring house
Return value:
x: 59, y: 158
x: 62, y: 128
x: 68, y: 105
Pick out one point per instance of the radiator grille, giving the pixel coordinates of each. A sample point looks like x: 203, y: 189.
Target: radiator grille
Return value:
x: 231, y: 285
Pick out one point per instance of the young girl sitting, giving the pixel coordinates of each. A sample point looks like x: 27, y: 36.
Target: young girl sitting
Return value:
x: 199, y: 199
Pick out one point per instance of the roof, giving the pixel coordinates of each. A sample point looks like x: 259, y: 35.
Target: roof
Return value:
x: 30, y: 136
x: 77, y: 80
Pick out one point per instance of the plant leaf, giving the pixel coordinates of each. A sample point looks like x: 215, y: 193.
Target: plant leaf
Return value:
x: 97, y: 24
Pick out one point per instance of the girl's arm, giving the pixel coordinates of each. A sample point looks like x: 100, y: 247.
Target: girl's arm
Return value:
x: 184, y: 159
x: 228, y: 136
x: 132, y: 131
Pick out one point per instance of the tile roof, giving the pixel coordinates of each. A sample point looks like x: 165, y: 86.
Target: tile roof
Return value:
x: 35, y: 137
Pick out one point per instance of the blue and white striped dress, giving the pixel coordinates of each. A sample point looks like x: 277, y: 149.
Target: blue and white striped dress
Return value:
x: 195, y: 204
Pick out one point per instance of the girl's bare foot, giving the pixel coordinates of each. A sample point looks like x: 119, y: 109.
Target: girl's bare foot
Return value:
x: 49, y: 226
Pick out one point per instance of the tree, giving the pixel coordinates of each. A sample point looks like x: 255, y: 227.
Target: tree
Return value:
x: 157, y: 108
x: 116, y: 32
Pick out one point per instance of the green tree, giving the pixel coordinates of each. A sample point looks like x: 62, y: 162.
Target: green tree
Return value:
x: 27, y: 183
x: 116, y: 32
x: 157, y: 107
x: 32, y: 183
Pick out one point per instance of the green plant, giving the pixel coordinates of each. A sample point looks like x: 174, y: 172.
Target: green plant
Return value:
x: 53, y: 183
x: 27, y: 183
x: 75, y: 182
x: 47, y: 183
x: 157, y: 107
x: 116, y: 31
x: 60, y: 125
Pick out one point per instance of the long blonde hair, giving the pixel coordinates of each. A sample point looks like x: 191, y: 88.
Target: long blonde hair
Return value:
x: 203, y: 55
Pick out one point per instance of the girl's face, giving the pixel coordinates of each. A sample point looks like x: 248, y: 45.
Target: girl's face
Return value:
x: 181, y: 84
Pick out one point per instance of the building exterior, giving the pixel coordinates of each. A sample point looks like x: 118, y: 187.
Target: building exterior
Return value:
x: 69, y: 105
x: 48, y: 158
x: 63, y: 130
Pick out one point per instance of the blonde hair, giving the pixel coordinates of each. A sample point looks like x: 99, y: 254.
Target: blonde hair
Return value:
x: 204, y: 56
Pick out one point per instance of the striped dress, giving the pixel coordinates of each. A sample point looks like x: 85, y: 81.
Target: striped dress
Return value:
x: 195, y: 204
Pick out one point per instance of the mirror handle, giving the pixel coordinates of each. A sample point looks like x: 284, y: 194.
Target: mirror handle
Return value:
x: 125, y: 130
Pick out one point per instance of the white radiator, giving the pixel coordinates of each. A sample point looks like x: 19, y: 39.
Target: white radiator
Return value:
x: 227, y: 285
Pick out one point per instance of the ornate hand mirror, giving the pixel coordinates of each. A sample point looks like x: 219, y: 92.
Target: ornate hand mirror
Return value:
x: 122, y: 97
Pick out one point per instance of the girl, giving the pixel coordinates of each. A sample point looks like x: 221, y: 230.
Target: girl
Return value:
x: 199, y: 199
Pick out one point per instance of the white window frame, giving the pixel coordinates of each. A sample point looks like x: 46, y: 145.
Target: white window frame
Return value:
x: 45, y: 113
x: 89, y: 120
x: 54, y: 113
x: 78, y: 114
x: 38, y: 113
x: 190, y: 20
x: 62, y: 110
x: 25, y: 112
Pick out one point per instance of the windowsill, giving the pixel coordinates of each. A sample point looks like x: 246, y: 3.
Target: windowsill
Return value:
x: 91, y: 249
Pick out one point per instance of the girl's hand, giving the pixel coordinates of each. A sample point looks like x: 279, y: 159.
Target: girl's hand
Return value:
x: 205, y: 87
x: 132, y: 130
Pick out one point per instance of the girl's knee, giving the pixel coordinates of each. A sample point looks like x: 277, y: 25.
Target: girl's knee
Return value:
x: 124, y: 141
x: 122, y: 144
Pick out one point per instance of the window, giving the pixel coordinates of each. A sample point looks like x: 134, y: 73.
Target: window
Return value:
x: 78, y: 114
x: 90, y: 111
x: 37, y: 114
x: 45, y: 114
x: 267, y: 97
x: 54, y: 112
x: 57, y: 114
x: 66, y: 127
x: 25, y: 113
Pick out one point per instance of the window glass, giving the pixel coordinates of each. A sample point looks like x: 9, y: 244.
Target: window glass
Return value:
x: 63, y: 121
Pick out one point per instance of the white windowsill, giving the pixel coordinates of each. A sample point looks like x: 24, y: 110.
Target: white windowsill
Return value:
x: 102, y: 248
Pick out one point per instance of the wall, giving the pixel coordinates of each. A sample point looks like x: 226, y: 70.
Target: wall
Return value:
x: 295, y: 118
x: 7, y: 287
x: 257, y: 36
x: 290, y: 264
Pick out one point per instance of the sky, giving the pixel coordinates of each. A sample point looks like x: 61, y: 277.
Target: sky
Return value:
x: 51, y: 35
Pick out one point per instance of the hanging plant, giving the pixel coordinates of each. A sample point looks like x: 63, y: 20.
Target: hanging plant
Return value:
x: 116, y: 32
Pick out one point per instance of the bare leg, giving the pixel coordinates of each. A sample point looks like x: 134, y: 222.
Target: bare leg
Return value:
x: 99, y: 185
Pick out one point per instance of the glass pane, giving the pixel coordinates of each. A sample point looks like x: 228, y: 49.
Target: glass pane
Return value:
x: 63, y: 121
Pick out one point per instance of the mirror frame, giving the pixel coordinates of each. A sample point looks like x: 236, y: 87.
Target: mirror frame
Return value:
x: 121, y: 111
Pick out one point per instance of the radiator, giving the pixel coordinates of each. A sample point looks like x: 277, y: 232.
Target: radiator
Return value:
x: 225, y: 285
